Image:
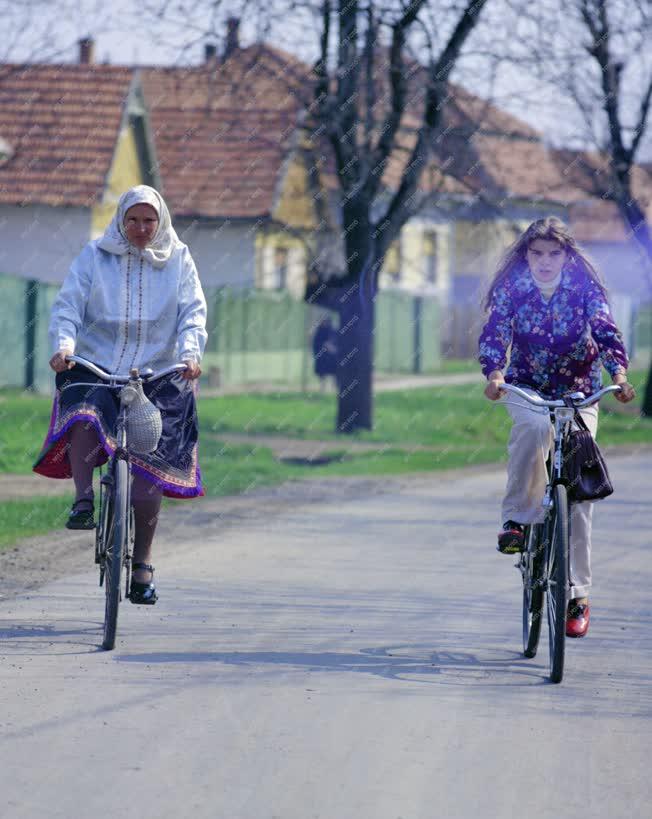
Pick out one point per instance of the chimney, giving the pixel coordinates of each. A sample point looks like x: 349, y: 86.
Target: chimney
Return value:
x: 87, y: 51
x: 232, y: 44
x: 210, y: 53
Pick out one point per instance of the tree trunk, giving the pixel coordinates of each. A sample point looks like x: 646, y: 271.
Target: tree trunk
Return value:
x: 646, y: 408
x: 355, y: 361
x: 354, y: 374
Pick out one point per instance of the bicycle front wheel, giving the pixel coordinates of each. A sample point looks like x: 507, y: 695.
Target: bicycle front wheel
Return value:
x: 531, y: 567
x: 115, y: 551
x: 557, y: 581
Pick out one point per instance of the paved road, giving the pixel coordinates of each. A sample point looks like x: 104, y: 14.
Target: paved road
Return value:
x: 349, y: 660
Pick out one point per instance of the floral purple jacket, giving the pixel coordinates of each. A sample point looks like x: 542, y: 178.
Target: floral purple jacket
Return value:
x: 556, y: 347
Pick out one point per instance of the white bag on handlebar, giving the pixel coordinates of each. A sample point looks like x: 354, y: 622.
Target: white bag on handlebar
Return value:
x: 144, y: 423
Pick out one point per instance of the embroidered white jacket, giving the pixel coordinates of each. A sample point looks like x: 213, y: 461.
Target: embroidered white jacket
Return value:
x: 121, y: 312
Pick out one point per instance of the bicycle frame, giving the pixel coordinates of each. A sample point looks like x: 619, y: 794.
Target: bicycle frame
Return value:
x: 561, y: 418
x: 114, y: 531
x: 545, y: 560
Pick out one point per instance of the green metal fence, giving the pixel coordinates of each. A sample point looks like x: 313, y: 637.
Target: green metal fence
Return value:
x: 24, y: 317
x: 259, y: 335
x: 253, y: 336
x: 643, y: 333
x: 256, y: 336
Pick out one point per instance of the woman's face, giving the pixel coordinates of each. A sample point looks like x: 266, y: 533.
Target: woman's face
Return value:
x: 546, y: 258
x: 141, y: 224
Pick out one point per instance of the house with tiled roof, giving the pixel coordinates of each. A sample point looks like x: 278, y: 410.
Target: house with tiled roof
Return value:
x: 75, y: 137
x: 225, y: 132
x: 511, y: 180
x: 227, y: 143
x: 232, y: 145
x: 598, y: 225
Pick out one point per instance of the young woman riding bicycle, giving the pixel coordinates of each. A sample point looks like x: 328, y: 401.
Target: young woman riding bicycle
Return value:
x: 549, y: 316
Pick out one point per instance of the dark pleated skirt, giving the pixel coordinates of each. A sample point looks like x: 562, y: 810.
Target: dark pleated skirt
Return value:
x: 173, y: 467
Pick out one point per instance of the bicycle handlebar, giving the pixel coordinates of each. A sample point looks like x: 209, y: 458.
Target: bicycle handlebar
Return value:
x: 578, y: 402
x: 122, y: 379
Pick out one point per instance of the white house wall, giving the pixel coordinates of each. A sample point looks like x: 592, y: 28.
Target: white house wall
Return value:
x: 623, y: 269
x: 224, y: 254
x: 39, y: 242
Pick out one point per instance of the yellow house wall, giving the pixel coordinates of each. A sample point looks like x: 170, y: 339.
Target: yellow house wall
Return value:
x: 295, y: 209
x: 125, y: 172
x: 412, y: 266
x: 295, y: 206
x: 479, y: 246
x: 266, y: 245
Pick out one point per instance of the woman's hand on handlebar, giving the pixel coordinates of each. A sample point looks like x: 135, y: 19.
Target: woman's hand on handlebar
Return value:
x: 493, y: 389
x: 192, y: 371
x: 627, y: 393
x: 58, y: 361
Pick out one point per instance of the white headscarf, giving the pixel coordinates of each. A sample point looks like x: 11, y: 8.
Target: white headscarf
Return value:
x: 165, y: 239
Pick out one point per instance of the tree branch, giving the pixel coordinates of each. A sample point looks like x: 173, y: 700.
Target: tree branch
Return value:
x: 370, y: 80
x: 610, y: 76
x: 439, y: 74
x: 347, y: 92
x: 398, y: 85
x: 641, y: 125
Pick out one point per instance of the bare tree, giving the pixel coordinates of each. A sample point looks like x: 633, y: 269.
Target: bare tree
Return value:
x: 368, y: 107
x: 604, y: 22
x: 375, y: 105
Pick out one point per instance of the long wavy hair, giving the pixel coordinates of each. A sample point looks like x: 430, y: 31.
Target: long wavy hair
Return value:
x: 551, y: 229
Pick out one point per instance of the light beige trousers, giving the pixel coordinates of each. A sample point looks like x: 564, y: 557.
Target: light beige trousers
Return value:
x: 530, y: 442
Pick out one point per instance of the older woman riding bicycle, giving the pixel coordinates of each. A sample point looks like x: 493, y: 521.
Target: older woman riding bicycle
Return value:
x: 131, y: 299
x: 548, y: 311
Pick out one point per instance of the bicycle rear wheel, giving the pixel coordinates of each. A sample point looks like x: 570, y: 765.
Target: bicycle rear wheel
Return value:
x: 115, y: 550
x: 557, y: 577
x: 531, y: 567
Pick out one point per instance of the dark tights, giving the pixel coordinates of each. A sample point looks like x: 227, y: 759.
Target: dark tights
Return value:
x: 145, y: 497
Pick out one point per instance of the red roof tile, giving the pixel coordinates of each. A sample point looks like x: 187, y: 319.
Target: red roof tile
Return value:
x: 593, y: 217
x: 222, y: 131
x: 62, y: 122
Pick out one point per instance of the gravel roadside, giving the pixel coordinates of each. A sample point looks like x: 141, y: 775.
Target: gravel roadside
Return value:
x: 37, y: 560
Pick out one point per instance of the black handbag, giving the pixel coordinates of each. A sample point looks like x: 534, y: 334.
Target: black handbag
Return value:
x: 584, y: 469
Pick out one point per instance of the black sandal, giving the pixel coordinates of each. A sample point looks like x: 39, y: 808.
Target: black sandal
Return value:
x: 81, y: 518
x: 143, y: 594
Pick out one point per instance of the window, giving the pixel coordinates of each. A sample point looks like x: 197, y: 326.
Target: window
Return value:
x: 430, y: 257
x: 392, y: 264
x: 280, y: 277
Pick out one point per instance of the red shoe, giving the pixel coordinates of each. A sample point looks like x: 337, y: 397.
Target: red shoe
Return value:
x: 577, y: 622
x: 511, y: 538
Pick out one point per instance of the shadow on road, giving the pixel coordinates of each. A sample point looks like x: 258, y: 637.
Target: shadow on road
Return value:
x: 413, y: 663
x: 45, y: 639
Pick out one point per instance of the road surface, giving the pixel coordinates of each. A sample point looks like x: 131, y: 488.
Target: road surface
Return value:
x: 355, y: 656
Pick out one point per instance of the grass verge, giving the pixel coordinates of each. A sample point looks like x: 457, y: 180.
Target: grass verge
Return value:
x: 31, y: 516
x: 457, y: 421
